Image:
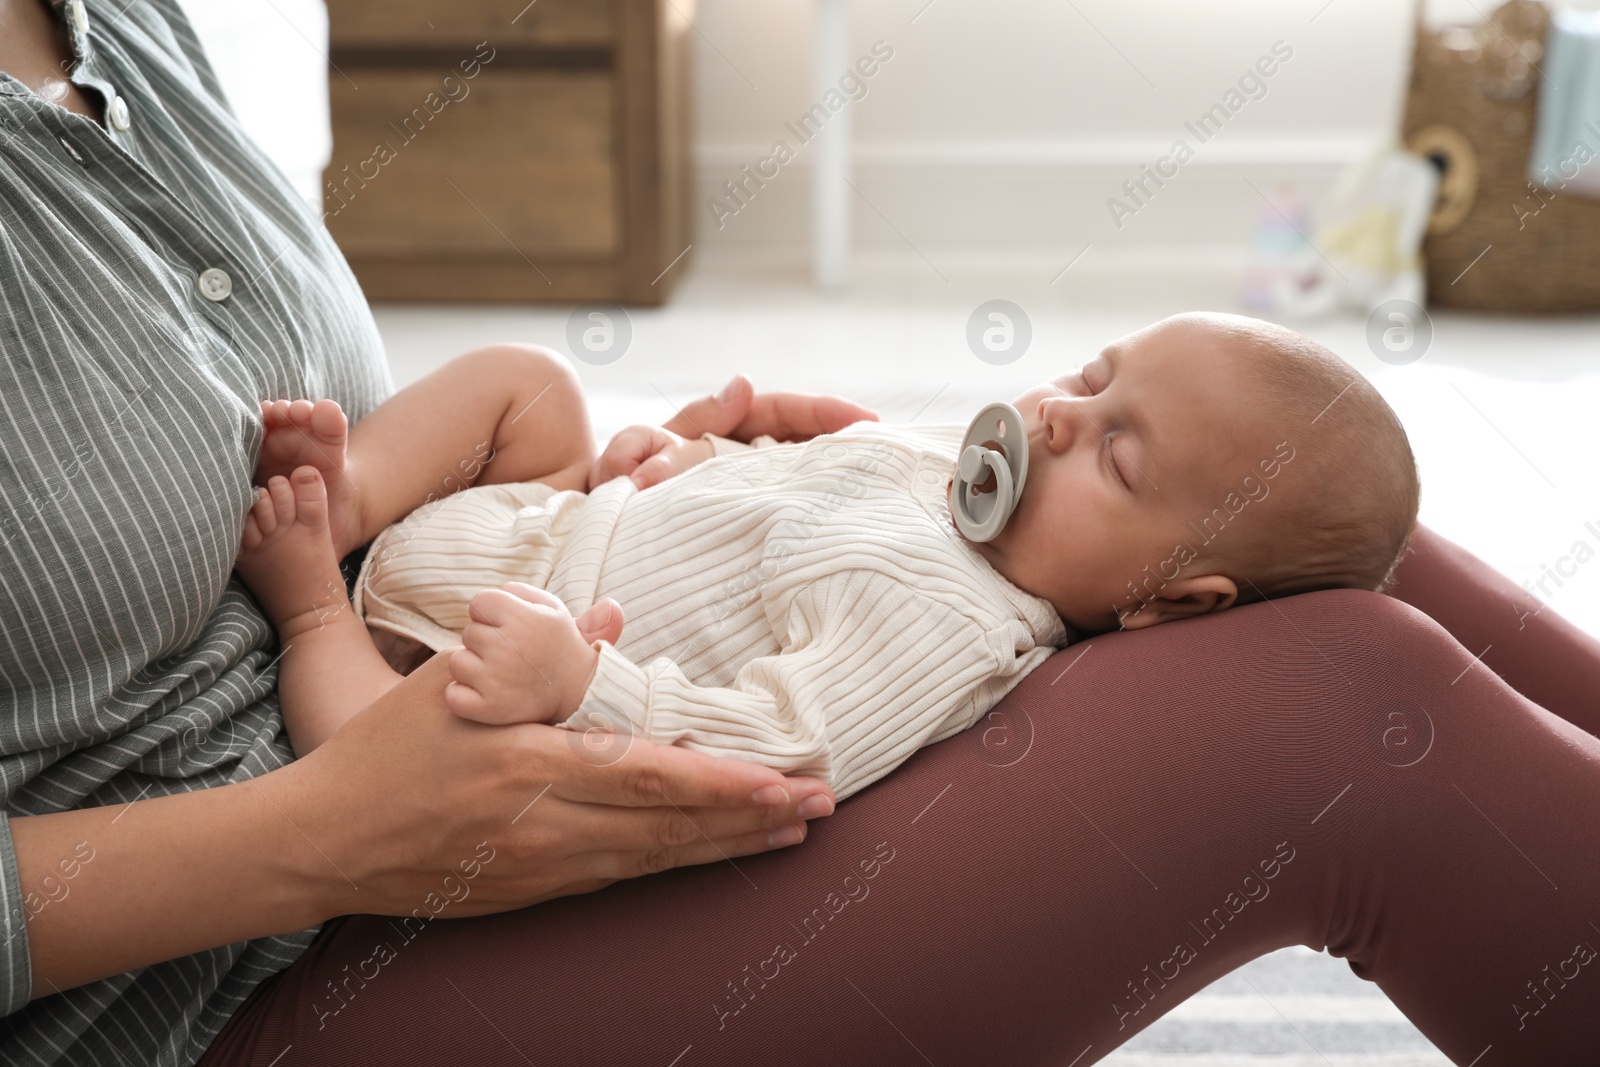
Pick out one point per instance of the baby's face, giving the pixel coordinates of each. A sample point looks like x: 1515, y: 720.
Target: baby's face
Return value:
x: 1124, y: 454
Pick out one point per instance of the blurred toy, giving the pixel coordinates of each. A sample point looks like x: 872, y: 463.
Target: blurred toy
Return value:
x: 1279, y: 264
x: 1365, y: 246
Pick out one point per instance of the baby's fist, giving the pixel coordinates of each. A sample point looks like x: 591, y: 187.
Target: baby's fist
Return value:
x: 524, y: 658
x: 649, y: 455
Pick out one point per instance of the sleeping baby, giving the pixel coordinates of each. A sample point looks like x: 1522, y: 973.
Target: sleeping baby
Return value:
x: 812, y: 606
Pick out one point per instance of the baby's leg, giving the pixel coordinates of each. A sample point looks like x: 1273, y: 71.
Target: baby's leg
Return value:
x: 505, y: 413
x: 329, y: 668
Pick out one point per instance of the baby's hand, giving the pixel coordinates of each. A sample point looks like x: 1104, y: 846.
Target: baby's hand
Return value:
x: 648, y: 454
x: 524, y: 658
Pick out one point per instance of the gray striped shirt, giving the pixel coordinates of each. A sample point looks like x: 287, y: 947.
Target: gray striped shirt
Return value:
x: 132, y: 663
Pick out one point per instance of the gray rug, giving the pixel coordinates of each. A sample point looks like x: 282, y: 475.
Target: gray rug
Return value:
x: 1291, y: 1008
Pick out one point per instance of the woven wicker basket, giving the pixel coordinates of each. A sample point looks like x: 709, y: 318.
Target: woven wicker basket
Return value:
x: 1493, y: 242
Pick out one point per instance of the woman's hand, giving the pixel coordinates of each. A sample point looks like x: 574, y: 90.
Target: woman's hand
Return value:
x: 743, y: 414
x: 407, y: 794
x: 649, y: 455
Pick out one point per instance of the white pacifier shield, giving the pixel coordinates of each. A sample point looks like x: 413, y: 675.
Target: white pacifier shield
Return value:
x: 980, y: 516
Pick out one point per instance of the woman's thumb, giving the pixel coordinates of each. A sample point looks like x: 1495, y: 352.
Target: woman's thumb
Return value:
x: 718, y: 414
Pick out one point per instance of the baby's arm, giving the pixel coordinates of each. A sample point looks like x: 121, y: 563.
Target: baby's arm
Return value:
x: 870, y: 672
x: 506, y: 413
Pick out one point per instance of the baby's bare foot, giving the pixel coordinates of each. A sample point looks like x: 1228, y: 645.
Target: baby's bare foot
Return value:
x: 300, y: 433
x: 286, y: 556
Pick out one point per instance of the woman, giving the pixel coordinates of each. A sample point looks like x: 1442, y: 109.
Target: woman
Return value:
x: 1332, y: 770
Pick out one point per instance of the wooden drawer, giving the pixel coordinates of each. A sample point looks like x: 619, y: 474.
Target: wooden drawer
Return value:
x: 435, y: 24
x: 520, y: 163
x: 557, y: 172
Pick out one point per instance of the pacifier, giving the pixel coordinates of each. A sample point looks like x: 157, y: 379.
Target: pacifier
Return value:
x: 992, y: 468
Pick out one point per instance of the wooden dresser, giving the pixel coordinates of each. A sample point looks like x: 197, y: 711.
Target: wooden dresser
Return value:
x: 482, y: 153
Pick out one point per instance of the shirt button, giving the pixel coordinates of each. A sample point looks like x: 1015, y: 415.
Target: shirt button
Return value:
x: 79, y: 15
x: 214, y: 284
x: 71, y: 151
x: 119, y: 113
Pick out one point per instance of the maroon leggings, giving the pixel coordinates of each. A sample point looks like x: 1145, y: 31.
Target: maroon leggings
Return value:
x: 1143, y: 814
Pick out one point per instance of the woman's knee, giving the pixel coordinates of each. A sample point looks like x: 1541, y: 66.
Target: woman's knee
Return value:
x: 1303, y: 692
x: 1376, y: 643
x: 1332, y: 647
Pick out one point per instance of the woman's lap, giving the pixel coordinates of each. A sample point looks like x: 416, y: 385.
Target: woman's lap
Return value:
x: 1143, y: 814
x: 1543, y: 656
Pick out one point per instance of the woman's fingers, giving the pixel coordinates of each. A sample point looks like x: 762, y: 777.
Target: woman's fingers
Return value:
x: 419, y: 786
x: 630, y: 844
x: 719, y: 414
x: 632, y: 863
x: 799, y: 416
x: 640, y: 774
x: 602, y: 828
x: 742, y: 414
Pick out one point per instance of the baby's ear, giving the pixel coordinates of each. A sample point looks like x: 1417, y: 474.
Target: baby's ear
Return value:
x: 1199, y: 594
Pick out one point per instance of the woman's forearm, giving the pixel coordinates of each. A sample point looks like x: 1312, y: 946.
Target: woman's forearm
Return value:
x: 378, y: 820
x: 167, y: 877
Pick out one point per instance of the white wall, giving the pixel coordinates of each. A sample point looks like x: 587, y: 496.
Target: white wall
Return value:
x: 272, y: 59
x: 997, y: 122
x: 1012, y: 121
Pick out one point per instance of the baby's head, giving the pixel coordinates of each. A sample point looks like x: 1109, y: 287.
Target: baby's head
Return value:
x: 1205, y: 461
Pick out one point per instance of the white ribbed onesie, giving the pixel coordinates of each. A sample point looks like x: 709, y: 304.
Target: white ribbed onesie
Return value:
x: 809, y: 606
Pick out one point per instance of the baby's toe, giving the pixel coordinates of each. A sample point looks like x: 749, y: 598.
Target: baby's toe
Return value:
x: 310, y: 497
x: 281, y: 502
x: 264, y: 512
x: 300, y: 412
x: 251, y: 538
x: 328, y: 423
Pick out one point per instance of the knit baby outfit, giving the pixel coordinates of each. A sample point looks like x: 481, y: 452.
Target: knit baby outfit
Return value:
x: 809, y: 606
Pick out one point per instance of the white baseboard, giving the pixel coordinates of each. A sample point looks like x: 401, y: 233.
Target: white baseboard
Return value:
x: 1114, y: 152
x: 1023, y: 193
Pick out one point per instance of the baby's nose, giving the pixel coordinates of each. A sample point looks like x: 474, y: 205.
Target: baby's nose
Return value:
x: 1061, y: 421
